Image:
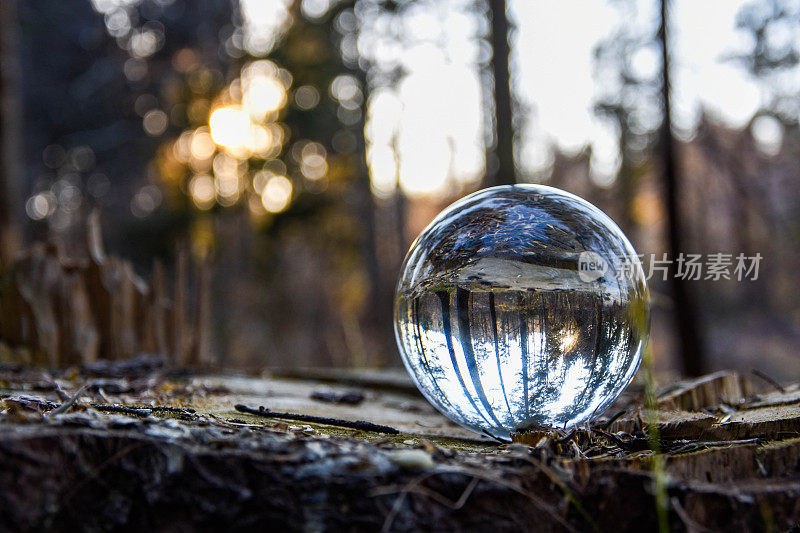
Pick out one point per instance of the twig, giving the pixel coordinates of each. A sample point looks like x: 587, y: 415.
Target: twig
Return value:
x: 414, y: 486
x: 170, y: 409
x: 94, y: 472
x: 144, y: 410
x: 565, y: 438
x: 138, y: 411
x: 691, y: 525
x: 496, y: 439
x: 435, y: 496
x: 67, y: 405
x: 613, y: 419
x: 633, y: 444
x: 357, y: 424
x: 241, y: 424
x: 63, y: 396
x: 768, y: 379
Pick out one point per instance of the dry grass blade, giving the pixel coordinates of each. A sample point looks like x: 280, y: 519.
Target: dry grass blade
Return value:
x: 413, y: 487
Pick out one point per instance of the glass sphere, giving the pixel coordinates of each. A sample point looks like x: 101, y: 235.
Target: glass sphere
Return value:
x: 521, y: 306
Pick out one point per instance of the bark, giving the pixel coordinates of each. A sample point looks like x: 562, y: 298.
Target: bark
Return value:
x: 142, y: 449
x: 503, y: 115
x: 11, y: 168
x: 686, y: 313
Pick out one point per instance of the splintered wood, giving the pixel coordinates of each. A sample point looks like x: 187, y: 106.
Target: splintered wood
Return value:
x: 55, y: 311
x: 720, y: 406
x: 723, y: 387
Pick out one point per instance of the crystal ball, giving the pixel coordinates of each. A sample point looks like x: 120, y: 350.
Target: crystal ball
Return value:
x: 521, y: 306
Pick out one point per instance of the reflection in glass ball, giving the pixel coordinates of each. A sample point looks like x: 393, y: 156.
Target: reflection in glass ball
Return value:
x: 520, y: 306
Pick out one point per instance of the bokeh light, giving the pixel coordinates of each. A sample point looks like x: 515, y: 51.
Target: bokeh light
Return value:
x: 306, y: 97
x: 264, y: 21
x: 40, y: 206
x: 229, y: 128
x: 277, y: 194
x: 202, y: 144
x: 767, y: 131
x: 242, y: 126
x: 263, y: 89
x: 155, y: 122
x: 202, y: 191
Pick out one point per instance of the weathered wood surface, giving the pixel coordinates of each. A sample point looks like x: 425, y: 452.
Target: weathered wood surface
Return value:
x: 176, y: 455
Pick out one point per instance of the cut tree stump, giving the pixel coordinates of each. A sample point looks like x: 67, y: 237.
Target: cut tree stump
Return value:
x: 58, y: 311
x: 129, y: 445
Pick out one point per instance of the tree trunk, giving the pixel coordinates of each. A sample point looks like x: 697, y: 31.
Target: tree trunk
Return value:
x: 378, y: 314
x: 685, y: 311
x: 503, y: 116
x: 11, y: 168
x: 626, y: 177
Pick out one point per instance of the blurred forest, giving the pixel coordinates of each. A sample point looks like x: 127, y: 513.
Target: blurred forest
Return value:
x: 293, y: 146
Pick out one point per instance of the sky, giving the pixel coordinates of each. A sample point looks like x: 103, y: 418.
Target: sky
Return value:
x: 434, y: 118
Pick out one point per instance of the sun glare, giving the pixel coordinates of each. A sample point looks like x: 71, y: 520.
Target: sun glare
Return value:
x: 242, y: 126
x: 230, y: 127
